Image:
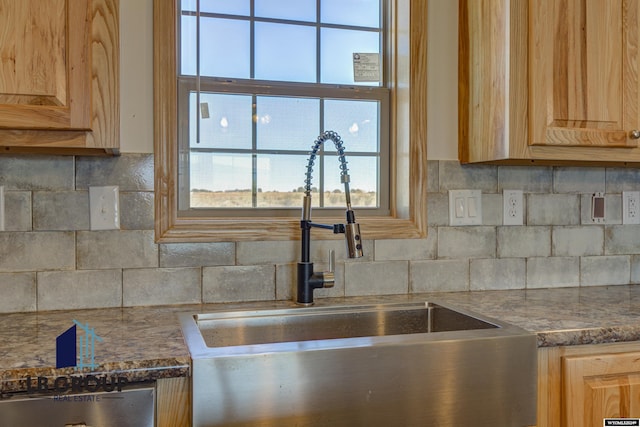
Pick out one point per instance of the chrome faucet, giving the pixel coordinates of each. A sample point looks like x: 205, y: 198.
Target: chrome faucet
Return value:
x: 307, y: 279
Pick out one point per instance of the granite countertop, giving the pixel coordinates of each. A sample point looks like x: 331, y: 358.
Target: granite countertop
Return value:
x: 138, y: 344
x: 145, y: 343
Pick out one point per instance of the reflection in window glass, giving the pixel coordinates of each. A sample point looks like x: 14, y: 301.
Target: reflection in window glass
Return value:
x: 355, y: 121
x: 337, y: 49
x: 299, y: 10
x: 221, y: 180
x: 285, y: 52
x: 228, y: 124
x: 287, y: 123
x: 362, y: 13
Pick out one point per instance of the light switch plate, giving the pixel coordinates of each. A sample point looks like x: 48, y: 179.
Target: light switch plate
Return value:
x: 465, y: 207
x: 104, y: 207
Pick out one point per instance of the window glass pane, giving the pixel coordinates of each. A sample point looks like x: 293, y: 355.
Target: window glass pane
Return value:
x: 363, y: 174
x: 232, y: 7
x: 224, y: 48
x: 364, y: 13
x: 280, y: 180
x: 250, y: 148
x: 229, y: 122
x: 287, y: 123
x: 355, y: 121
x: 188, y: 46
x: 221, y: 180
x: 337, y: 49
x: 299, y: 10
x: 285, y: 52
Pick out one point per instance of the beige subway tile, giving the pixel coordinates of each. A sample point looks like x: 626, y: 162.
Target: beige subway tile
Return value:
x: 35, y: 251
x: 238, y: 283
x: 18, y: 292
x: 70, y: 290
x: 160, y: 286
x: 116, y: 249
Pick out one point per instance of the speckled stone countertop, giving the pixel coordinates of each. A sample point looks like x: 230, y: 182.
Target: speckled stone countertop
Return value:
x: 146, y: 343
x: 139, y: 344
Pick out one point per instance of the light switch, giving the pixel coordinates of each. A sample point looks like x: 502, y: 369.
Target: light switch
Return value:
x: 465, y: 207
x: 473, y: 210
x: 460, y: 207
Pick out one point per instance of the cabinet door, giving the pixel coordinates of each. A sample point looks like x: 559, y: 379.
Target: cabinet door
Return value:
x: 583, y: 67
x: 45, y: 64
x: 600, y: 386
x: 59, y: 77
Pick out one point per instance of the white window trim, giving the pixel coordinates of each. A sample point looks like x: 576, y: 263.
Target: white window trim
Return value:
x: 408, y: 192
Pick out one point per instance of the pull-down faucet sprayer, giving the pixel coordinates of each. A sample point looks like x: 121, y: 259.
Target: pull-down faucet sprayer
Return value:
x: 307, y: 279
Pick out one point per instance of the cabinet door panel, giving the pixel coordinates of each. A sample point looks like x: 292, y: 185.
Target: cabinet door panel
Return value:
x: 617, y: 396
x: 45, y: 64
x: 600, y: 386
x: 583, y: 72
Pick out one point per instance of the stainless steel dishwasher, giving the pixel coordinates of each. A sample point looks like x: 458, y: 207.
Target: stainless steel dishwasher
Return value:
x: 133, y: 407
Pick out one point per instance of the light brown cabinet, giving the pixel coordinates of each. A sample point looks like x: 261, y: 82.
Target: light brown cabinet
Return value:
x: 59, y: 76
x: 173, y: 402
x: 549, y: 82
x: 579, y: 386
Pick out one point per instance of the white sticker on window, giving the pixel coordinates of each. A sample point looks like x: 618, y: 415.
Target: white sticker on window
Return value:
x: 204, y: 110
x: 366, y: 67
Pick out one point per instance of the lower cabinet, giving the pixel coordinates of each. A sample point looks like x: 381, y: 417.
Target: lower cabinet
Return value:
x: 579, y: 386
x: 173, y: 402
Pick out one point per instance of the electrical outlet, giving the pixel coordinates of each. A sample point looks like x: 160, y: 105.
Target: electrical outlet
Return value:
x: 512, y: 207
x: 598, y: 215
x: 631, y: 207
x: 104, y: 208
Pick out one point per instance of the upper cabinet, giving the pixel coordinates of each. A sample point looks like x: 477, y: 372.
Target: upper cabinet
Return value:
x: 59, y: 76
x: 550, y: 82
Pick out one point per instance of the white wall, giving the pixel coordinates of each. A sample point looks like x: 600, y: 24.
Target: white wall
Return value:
x: 136, y: 78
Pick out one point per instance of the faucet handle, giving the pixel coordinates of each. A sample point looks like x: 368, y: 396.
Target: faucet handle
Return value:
x: 332, y: 261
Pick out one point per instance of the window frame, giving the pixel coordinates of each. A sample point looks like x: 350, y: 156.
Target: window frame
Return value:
x: 407, y: 177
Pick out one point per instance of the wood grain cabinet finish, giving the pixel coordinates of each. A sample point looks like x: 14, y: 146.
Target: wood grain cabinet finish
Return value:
x: 579, y: 386
x: 59, y: 76
x: 549, y: 81
x: 601, y: 386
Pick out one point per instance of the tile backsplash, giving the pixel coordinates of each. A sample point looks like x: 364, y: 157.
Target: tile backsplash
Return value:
x: 51, y: 260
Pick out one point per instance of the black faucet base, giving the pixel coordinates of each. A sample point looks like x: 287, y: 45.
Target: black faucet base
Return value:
x: 305, y: 287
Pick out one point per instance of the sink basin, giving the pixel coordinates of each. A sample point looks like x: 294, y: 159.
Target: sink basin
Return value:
x: 277, y: 326
x: 375, y: 365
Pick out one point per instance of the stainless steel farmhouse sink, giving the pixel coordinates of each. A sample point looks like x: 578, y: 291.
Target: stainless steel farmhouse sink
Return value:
x: 410, y: 364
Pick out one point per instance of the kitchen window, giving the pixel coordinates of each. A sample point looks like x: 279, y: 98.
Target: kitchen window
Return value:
x: 232, y: 136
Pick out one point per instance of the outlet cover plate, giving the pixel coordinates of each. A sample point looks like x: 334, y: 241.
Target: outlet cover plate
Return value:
x: 631, y: 207
x: 513, y: 211
x: 598, y: 205
x: 104, y: 207
x: 465, y: 207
